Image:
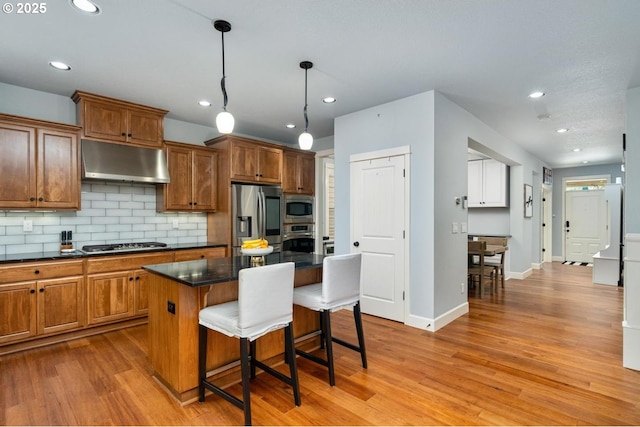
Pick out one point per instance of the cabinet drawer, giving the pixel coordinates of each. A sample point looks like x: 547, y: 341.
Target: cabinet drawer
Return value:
x: 20, y: 272
x: 126, y: 262
x: 195, y: 254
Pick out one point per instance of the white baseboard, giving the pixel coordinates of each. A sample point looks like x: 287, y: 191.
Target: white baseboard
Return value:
x: 630, y: 346
x: 521, y: 276
x: 536, y: 265
x: 433, y: 325
x: 557, y: 259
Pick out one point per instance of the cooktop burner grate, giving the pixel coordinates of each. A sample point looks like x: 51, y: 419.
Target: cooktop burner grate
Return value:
x: 116, y: 247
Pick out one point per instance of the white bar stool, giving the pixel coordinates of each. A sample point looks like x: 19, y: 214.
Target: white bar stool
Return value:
x: 340, y: 288
x: 265, y: 304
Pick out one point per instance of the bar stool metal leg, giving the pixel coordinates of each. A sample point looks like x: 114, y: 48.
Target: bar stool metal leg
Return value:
x: 357, y: 315
x: 245, y: 367
x: 202, y: 361
x: 326, y: 315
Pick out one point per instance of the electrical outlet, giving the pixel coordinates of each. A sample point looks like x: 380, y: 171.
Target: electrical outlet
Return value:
x: 176, y: 223
x: 27, y: 225
x: 171, y: 307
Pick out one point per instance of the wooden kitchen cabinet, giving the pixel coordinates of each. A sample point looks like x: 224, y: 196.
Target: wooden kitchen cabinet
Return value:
x: 47, y: 306
x: 488, y: 184
x: 250, y: 160
x: 193, y: 173
x: 298, y: 172
x: 40, y: 164
x: 117, y: 286
x: 114, y: 120
x: 200, y: 253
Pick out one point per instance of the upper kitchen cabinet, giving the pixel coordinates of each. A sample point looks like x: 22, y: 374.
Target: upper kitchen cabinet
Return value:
x: 113, y: 120
x: 193, y: 179
x: 40, y: 164
x: 488, y: 184
x: 298, y: 172
x: 249, y: 160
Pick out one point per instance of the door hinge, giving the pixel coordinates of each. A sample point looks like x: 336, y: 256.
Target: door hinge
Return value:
x: 403, y: 234
x: 403, y: 171
x: 402, y: 295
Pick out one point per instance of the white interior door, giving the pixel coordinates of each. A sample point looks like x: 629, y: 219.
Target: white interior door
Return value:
x: 585, y: 223
x: 377, y: 228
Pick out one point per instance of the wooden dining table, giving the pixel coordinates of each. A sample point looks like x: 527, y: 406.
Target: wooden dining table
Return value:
x: 490, y: 250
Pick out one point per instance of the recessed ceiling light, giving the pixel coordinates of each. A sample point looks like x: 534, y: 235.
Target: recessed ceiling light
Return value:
x: 204, y: 103
x: 59, y: 65
x: 535, y: 95
x: 563, y: 130
x: 575, y: 150
x: 290, y: 125
x: 585, y: 161
x: 329, y: 100
x: 85, y: 6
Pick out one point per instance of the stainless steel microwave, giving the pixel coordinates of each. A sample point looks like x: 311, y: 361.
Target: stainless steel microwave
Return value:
x: 298, y: 208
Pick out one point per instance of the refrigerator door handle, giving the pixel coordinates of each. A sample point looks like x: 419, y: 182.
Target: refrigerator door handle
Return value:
x: 261, y: 215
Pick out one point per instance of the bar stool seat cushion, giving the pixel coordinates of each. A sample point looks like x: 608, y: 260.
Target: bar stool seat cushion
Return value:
x: 310, y: 296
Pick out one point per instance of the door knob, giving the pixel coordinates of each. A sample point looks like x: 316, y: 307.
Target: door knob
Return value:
x: 356, y: 244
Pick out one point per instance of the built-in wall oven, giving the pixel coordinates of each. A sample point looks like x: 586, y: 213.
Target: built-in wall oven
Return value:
x: 298, y: 238
x: 298, y: 208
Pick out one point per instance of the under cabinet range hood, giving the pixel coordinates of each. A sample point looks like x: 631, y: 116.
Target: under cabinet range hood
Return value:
x: 117, y: 162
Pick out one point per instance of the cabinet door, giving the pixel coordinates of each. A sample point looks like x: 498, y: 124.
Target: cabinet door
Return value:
x: 270, y: 165
x: 58, y: 170
x: 244, y: 162
x: 104, y: 121
x: 474, y: 184
x: 307, y: 173
x: 109, y: 297
x: 290, y: 172
x: 144, y: 128
x: 495, y: 183
x: 17, y: 311
x: 18, y: 166
x: 204, y: 180
x: 177, y: 193
x: 60, y: 304
x: 140, y: 292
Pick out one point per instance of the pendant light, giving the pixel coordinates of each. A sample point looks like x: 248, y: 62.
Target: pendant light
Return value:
x: 305, y: 140
x: 224, y: 120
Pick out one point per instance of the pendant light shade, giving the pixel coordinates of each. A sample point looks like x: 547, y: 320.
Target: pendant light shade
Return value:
x: 305, y: 140
x: 224, y: 120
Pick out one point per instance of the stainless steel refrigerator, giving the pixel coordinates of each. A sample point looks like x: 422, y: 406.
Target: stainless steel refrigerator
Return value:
x: 257, y: 211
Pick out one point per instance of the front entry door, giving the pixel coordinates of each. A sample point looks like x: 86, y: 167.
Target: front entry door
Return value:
x: 377, y: 226
x: 585, y: 224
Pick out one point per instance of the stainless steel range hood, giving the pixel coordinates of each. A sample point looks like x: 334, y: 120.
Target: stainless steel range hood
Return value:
x: 117, y: 162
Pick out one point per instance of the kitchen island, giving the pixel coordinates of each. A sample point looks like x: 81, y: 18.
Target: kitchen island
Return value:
x: 177, y: 292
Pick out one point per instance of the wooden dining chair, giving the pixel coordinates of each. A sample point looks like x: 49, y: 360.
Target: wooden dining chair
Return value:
x: 479, y: 270
x: 497, y: 261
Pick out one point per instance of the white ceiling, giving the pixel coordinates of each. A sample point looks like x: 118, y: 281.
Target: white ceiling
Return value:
x: 485, y: 55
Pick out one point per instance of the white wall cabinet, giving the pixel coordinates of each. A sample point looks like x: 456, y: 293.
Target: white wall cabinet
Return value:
x: 488, y: 185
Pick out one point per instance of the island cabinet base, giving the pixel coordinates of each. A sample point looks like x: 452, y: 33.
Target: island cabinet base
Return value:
x: 173, y: 334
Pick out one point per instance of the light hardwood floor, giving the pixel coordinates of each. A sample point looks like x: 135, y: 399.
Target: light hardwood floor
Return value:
x: 545, y: 351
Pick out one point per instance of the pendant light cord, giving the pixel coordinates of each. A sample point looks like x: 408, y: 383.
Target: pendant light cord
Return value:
x: 306, y: 119
x: 224, y: 76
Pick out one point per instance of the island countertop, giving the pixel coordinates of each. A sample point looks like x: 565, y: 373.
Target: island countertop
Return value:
x: 222, y: 270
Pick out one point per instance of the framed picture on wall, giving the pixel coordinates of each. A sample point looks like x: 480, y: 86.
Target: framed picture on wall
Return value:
x: 528, y: 201
x: 547, y: 176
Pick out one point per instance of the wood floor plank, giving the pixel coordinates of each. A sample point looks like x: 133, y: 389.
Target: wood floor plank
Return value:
x: 546, y: 350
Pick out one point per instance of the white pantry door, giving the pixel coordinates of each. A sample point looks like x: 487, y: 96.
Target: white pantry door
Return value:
x: 585, y: 224
x: 377, y: 232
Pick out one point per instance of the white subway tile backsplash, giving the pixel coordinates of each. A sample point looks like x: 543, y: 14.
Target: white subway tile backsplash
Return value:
x: 111, y: 212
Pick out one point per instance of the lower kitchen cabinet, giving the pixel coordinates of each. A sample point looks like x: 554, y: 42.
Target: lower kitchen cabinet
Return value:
x: 117, y: 286
x: 41, y: 307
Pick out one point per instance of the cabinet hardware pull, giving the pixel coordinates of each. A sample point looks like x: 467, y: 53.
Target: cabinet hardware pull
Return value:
x: 124, y: 134
x: 131, y: 279
x: 41, y: 289
x: 32, y: 291
x: 31, y: 199
x: 36, y: 272
x: 129, y: 135
x: 40, y: 199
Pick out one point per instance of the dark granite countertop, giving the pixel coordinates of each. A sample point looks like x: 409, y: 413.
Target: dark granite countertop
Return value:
x: 220, y: 270
x: 55, y: 255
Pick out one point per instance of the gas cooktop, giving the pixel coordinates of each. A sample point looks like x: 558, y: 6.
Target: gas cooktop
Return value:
x: 121, y: 247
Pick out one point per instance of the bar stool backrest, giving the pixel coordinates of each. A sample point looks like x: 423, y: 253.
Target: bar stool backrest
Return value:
x: 265, y: 297
x: 341, y: 280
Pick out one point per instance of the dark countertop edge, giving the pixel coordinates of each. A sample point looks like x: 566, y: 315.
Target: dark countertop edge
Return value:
x: 304, y: 262
x: 57, y: 256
